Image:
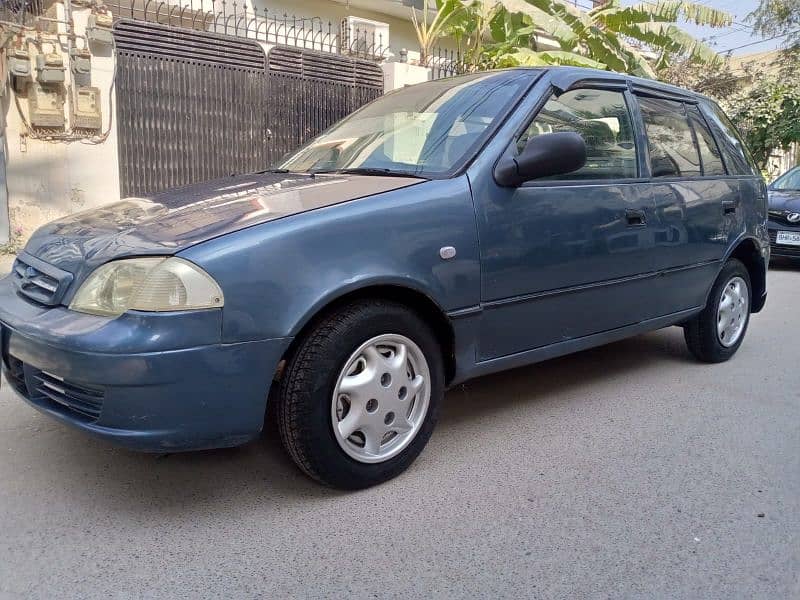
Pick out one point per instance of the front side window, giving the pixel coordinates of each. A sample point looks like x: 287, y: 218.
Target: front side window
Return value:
x: 425, y: 129
x: 671, y: 144
x: 601, y: 117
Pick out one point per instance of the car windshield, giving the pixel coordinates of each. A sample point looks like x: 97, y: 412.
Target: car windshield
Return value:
x: 421, y: 130
x: 788, y: 181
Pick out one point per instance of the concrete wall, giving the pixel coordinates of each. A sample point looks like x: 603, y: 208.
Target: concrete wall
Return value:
x: 5, y: 225
x: 46, y: 180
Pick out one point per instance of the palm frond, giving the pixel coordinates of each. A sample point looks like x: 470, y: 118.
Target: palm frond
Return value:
x: 532, y: 58
x: 666, y: 11
x: 542, y: 20
x: 671, y: 40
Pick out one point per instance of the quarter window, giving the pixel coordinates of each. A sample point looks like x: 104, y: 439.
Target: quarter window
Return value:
x: 737, y: 157
x: 709, y: 152
x: 672, y: 146
x: 601, y: 117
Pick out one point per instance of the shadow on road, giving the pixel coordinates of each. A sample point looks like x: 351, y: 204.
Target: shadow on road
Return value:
x: 784, y: 264
x: 540, y: 382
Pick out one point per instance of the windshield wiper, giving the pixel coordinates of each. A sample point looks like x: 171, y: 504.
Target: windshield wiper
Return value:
x: 372, y: 171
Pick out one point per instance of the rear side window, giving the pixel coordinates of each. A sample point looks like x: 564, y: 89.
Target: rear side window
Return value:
x: 709, y: 152
x: 673, y: 151
x: 734, y: 152
x: 602, y: 118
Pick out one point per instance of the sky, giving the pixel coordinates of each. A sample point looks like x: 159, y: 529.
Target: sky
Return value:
x: 723, y: 39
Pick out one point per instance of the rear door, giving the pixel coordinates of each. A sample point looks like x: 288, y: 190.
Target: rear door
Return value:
x: 692, y: 193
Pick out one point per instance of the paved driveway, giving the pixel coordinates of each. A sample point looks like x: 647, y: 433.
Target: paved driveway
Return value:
x: 6, y: 260
x: 625, y: 471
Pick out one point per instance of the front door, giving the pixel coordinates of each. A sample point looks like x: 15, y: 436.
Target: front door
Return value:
x: 570, y: 256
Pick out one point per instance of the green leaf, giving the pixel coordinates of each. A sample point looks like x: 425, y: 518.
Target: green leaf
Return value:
x: 548, y: 22
x: 532, y: 58
x: 667, y: 11
x: 670, y: 39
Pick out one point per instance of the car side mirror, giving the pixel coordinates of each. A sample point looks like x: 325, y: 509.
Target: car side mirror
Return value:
x: 543, y: 155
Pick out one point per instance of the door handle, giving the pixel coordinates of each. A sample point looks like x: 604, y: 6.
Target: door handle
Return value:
x: 729, y: 206
x: 635, y: 218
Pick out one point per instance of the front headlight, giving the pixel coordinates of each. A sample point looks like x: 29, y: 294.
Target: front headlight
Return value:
x: 156, y: 284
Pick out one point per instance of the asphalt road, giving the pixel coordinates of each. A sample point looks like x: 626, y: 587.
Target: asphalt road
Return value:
x: 627, y: 471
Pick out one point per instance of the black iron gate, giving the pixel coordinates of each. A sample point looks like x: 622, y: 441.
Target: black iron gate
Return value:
x: 309, y: 91
x: 193, y: 105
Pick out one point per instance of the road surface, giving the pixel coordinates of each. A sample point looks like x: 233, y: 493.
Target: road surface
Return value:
x: 628, y: 471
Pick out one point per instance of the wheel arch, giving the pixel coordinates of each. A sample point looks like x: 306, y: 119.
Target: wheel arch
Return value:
x: 403, y: 293
x: 748, y: 251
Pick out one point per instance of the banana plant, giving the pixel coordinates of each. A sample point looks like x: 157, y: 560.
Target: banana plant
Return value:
x: 502, y: 33
x: 433, y: 24
x: 637, y: 39
x: 621, y: 36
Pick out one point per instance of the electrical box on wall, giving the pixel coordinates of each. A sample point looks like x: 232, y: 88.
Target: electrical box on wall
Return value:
x: 98, y: 28
x: 46, y: 106
x: 50, y: 68
x: 81, y: 66
x: 19, y: 63
x: 86, y: 109
x: 18, y: 66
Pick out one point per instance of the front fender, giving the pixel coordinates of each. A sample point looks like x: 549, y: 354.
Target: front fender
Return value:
x: 277, y: 275
x: 371, y: 282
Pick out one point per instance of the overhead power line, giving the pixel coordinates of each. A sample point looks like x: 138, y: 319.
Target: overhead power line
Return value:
x: 769, y: 39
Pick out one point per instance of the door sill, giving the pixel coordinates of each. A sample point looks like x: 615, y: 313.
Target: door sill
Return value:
x: 528, y: 357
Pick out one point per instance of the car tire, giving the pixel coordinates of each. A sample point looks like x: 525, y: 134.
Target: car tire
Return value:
x: 716, y: 333
x: 351, y: 370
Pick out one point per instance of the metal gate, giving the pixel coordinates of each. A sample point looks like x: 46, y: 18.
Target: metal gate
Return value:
x: 309, y: 91
x: 193, y: 105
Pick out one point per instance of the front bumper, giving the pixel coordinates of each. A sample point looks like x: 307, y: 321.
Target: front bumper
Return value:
x: 782, y: 250
x: 153, y: 383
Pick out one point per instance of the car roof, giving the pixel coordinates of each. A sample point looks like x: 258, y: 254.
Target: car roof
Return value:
x: 566, y: 78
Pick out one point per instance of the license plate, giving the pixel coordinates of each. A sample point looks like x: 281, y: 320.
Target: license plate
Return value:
x: 790, y: 238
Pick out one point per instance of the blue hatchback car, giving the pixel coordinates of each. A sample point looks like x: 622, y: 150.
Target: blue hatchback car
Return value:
x: 445, y: 231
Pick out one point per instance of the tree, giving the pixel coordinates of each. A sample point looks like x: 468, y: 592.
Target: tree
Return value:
x: 495, y: 33
x: 621, y: 36
x: 777, y: 18
x: 768, y: 113
x: 430, y: 30
x: 715, y: 79
x: 638, y: 39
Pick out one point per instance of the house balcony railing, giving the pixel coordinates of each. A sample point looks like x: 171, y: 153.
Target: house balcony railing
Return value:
x: 238, y: 19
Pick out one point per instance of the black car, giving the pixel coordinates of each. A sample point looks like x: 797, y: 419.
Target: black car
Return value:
x: 784, y: 215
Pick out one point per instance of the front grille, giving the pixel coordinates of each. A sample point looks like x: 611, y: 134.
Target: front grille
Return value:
x: 15, y: 375
x: 782, y: 217
x: 40, y: 281
x: 81, y: 401
x: 53, y: 392
x: 782, y: 250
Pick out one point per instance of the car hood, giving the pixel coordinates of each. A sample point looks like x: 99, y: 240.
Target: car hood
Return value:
x: 784, y: 200
x: 170, y: 221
